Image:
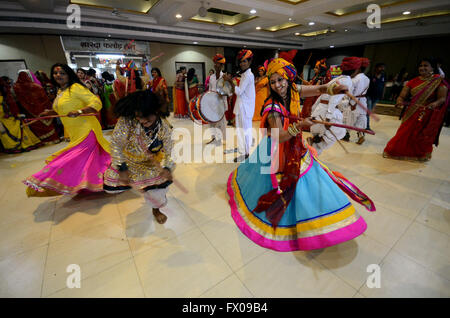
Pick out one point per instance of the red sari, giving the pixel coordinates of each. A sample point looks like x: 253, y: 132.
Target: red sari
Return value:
x: 159, y: 87
x: 181, y: 109
x: 420, y: 126
x: 34, y: 100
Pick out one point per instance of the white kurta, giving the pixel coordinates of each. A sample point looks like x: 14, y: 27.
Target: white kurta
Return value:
x: 219, y: 127
x: 360, y: 86
x: 244, y: 109
x: 323, y: 111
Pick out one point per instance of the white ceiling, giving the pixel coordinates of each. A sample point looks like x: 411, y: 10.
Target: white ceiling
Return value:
x: 160, y: 23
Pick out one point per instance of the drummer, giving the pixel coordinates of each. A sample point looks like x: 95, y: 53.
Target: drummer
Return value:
x: 218, y: 128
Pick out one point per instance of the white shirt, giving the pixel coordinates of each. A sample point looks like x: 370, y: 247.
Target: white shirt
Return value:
x: 323, y: 111
x: 213, y: 81
x: 360, y: 86
x: 245, y: 95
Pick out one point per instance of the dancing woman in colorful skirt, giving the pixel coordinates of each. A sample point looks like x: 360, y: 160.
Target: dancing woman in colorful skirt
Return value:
x: 293, y: 202
x: 141, y: 147
x: 81, y: 164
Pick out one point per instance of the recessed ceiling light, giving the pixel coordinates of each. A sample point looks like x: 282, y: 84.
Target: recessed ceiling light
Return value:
x: 195, y: 42
x: 297, y: 33
x: 311, y: 23
x: 346, y: 30
x: 290, y: 19
x: 331, y: 46
x: 258, y: 28
x: 245, y: 45
x: 406, y: 12
x: 252, y: 11
x: 178, y: 16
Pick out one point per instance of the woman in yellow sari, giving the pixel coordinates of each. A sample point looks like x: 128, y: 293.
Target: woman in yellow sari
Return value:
x: 13, y: 136
x: 261, y: 90
x: 82, y: 163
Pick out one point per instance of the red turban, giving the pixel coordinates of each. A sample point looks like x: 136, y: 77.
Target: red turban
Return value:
x: 219, y: 58
x: 364, y: 62
x: 288, y: 56
x: 350, y: 63
x: 244, y: 54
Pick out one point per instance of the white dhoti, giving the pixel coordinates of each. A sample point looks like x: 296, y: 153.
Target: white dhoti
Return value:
x: 156, y: 198
x: 329, y: 135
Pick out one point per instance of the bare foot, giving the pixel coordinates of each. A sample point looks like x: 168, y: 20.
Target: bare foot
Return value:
x: 160, y: 217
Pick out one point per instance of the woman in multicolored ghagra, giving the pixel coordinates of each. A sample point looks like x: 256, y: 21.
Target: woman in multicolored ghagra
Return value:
x: 141, y: 146
x: 298, y: 204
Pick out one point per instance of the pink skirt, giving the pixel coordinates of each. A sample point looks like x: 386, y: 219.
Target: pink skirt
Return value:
x: 79, y: 168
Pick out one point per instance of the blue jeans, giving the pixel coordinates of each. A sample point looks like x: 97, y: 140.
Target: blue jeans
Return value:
x: 371, y: 102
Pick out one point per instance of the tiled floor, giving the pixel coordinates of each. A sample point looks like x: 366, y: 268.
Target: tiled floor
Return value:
x: 200, y: 252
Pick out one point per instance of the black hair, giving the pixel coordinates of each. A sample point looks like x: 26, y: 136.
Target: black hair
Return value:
x: 432, y: 62
x: 157, y: 71
x: 144, y: 103
x: 182, y: 68
x: 107, y: 76
x: 190, y: 74
x: 137, y: 78
x: 80, y: 69
x: 73, y: 78
x: 379, y: 64
x: 91, y: 72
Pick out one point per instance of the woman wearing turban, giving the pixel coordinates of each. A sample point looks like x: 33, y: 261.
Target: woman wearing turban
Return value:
x: 293, y: 202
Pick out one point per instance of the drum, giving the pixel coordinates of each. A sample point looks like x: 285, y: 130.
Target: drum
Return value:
x: 208, y: 108
x: 223, y: 88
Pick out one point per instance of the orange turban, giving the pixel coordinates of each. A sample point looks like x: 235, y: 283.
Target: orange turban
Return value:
x: 244, y: 54
x: 219, y: 58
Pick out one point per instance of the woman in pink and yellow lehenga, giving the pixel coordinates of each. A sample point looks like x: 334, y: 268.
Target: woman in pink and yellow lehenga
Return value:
x: 80, y: 165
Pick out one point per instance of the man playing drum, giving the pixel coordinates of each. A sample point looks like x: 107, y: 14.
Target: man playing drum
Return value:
x: 219, y: 62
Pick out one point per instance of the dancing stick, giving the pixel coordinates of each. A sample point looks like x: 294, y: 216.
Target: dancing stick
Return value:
x: 326, y: 123
x: 339, y: 142
x: 371, y: 114
x: 30, y: 121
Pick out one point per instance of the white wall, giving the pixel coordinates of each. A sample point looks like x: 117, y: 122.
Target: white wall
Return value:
x: 181, y: 53
x: 40, y: 52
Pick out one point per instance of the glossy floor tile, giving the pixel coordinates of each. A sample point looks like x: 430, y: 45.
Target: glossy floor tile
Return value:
x: 199, y: 252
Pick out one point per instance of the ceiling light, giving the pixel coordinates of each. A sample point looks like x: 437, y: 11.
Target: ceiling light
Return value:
x: 253, y: 11
x: 178, y: 16
x: 311, y: 23
x: 346, y: 30
x: 331, y: 46
x: 290, y: 19
x: 195, y: 42
x: 297, y: 33
x: 406, y: 12
x: 258, y: 28
x: 110, y: 56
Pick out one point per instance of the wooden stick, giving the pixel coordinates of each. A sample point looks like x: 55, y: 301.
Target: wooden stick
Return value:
x: 371, y: 114
x: 339, y: 142
x: 30, y: 121
x: 326, y: 123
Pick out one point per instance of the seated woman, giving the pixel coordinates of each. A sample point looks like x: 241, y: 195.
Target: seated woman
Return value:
x: 141, y: 146
x: 293, y: 202
x: 14, y: 137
